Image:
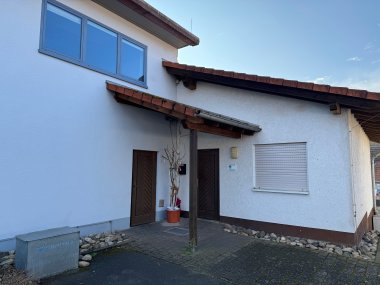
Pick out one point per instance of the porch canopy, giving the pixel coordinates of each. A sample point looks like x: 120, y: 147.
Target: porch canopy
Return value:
x: 191, y: 117
x: 194, y: 119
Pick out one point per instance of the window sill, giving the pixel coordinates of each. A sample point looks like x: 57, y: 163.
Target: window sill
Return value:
x: 78, y: 63
x: 254, y: 189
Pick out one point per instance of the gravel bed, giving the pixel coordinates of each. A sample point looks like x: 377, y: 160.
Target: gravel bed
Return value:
x: 365, y: 250
x: 10, y: 276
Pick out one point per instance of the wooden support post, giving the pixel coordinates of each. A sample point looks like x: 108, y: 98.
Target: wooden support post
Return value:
x: 193, y: 212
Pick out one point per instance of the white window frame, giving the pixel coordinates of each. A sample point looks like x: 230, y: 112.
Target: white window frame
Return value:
x: 258, y: 188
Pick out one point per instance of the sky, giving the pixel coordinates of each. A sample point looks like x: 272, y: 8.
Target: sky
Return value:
x: 335, y: 42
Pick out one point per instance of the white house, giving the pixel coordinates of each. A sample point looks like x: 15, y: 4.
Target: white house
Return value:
x: 71, y: 155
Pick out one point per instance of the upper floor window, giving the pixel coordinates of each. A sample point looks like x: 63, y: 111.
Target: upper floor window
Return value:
x: 73, y: 37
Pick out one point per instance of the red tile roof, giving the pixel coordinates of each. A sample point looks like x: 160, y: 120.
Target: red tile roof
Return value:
x: 365, y: 105
x: 277, y: 81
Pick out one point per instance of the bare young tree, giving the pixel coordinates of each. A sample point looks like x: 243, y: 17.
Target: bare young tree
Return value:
x: 174, y: 155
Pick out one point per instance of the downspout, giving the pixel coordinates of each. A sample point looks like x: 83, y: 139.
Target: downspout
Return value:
x: 352, y: 180
x: 352, y: 170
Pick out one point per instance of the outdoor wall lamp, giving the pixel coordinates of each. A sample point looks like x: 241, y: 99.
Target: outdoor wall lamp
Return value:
x: 234, y: 152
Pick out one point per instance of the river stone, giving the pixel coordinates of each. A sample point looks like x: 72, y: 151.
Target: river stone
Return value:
x: 109, y: 239
x: 8, y: 261
x: 366, y: 248
x: 338, y: 251
x: 87, y: 257
x: 347, y: 249
x: 89, y: 240
x: 83, y: 264
x: 230, y: 227
x: 7, y: 257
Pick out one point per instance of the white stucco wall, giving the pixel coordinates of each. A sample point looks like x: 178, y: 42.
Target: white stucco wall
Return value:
x: 361, y: 169
x: 328, y: 204
x: 66, y: 145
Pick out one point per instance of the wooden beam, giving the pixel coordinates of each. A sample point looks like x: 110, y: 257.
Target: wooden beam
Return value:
x: 366, y: 114
x: 213, y: 123
x: 369, y: 123
x: 190, y: 83
x: 335, y: 108
x: 373, y: 111
x: 248, y: 132
x: 211, y: 130
x: 371, y: 128
x: 193, y: 194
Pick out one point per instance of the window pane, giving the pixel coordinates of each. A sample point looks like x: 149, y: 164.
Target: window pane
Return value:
x: 132, y: 61
x: 101, y: 48
x: 62, y: 32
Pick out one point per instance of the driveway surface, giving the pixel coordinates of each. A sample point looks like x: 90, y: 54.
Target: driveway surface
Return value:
x: 158, y: 254
x: 125, y: 266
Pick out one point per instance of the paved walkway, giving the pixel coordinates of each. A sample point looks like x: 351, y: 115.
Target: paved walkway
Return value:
x: 245, y: 260
x: 221, y: 258
x: 126, y: 266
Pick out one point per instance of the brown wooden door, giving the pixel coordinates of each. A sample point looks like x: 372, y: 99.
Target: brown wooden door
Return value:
x: 143, y: 208
x: 208, y: 184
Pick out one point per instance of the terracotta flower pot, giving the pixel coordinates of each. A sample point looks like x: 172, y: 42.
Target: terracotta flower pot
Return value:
x: 173, y: 216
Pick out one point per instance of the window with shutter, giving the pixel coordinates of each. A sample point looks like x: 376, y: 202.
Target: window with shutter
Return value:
x: 281, y: 167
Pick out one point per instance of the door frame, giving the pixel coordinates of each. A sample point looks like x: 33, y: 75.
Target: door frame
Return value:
x: 217, y: 192
x: 133, y: 221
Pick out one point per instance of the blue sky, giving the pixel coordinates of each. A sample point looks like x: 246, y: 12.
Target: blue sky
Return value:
x: 333, y: 42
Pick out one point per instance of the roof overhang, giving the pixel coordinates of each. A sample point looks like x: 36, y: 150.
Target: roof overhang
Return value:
x: 150, y: 19
x: 364, y: 105
x: 190, y: 117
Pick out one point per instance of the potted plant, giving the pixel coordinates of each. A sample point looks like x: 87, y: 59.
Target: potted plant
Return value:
x: 174, y: 157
